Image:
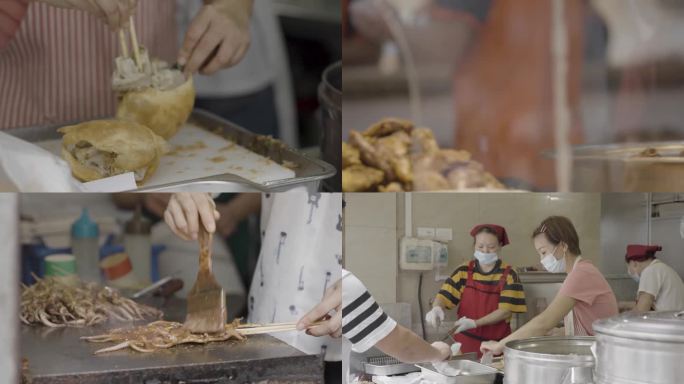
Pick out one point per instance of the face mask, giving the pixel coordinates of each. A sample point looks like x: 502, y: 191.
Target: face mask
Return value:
x: 634, y: 276
x: 552, y: 264
x: 486, y: 258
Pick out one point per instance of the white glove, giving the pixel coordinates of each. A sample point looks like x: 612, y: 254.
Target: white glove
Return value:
x: 463, y: 324
x: 435, y: 316
x: 443, y: 348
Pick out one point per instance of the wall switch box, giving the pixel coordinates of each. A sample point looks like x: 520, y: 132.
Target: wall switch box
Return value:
x: 426, y: 233
x: 443, y: 234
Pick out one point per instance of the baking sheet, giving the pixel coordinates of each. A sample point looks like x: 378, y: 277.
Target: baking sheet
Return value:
x: 197, y: 153
x: 201, y: 159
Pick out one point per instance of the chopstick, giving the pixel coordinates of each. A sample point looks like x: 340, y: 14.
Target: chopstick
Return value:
x: 122, y: 41
x: 134, y: 41
x: 257, y: 329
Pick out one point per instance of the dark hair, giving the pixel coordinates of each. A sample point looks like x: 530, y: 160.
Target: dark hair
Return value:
x: 649, y: 256
x: 489, y: 230
x: 559, y: 229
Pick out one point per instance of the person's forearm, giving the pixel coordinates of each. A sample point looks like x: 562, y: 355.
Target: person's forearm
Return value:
x: 495, y: 317
x: 407, y: 347
x: 12, y: 13
x: 538, y: 326
x: 243, y: 205
x: 439, y: 302
x: 644, y: 303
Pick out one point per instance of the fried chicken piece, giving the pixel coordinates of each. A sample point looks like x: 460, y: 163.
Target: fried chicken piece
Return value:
x: 430, y: 180
x: 387, y: 127
x: 360, y: 178
x: 391, y: 187
x: 472, y: 175
x: 423, y: 141
x: 370, y: 155
x: 395, y: 148
x: 350, y: 155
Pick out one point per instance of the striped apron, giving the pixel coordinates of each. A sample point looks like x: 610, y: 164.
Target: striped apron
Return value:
x: 58, y: 66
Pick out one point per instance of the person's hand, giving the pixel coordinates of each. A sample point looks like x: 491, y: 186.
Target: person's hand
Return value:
x: 496, y: 347
x: 185, y: 211
x: 218, y: 37
x: 366, y: 17
x: 115, y: 13
x: 463, y: 324
x: 443, y: 348
x: 330, y: 325
x: 435, y: 316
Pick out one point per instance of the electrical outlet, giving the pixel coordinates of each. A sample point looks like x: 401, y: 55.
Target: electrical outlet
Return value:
x: 426, y: 233
x: 443, y: 234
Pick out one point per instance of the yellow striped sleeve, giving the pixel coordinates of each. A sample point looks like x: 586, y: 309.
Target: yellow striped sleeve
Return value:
x: 512, y: 297
x: 451, y: 290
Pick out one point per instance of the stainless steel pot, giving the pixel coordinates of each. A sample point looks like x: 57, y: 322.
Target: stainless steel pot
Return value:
x: 640, y: 348
x: 557, y: 360
x: 330, y: 97
x: 623, y: 168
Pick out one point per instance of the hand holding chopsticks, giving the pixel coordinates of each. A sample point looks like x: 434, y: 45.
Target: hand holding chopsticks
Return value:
x: 321, y: 320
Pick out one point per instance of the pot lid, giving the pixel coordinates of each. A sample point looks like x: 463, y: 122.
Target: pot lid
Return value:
x: 657, y: 326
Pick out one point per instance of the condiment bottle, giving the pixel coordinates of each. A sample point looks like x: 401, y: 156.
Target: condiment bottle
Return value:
x: 138, y: 246
x: 84, y: 246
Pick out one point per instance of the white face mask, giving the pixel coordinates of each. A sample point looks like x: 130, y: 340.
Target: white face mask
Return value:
x: 552, y: 264
x: 634, y: 276
x: 486, y: 258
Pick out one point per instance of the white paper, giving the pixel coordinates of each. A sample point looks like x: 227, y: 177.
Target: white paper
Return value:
x: 26, y: 167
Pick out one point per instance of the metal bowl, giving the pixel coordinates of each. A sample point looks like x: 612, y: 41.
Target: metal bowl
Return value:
x: 566, y: 360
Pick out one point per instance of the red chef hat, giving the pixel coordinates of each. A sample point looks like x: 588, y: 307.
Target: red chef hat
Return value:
x: 497, y: 229
x: 641, y: 252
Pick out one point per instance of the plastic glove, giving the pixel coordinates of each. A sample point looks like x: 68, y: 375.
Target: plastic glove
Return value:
x: 463, y: 324
x: 435, y: 316
x: 496, y: 347
x: 443, y: 348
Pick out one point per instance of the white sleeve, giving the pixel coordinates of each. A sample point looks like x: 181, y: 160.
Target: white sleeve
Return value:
x: 364, y: 323
x: 651, y: 281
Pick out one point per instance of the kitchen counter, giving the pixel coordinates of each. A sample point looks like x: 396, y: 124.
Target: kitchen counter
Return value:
x: 57, y: 355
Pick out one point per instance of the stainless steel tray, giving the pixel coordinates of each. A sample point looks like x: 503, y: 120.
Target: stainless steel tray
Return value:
x: 471, y: 373
x: 308, y: 171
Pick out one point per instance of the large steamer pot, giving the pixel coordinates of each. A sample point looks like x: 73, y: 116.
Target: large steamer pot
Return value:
x: 557, y: 360
x: 330, y: 97
x: 636, y: 167
x: 640, y: 348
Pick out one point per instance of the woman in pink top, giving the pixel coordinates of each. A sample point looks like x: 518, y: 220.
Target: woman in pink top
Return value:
x: 56, y: 60
x: 584, y: 297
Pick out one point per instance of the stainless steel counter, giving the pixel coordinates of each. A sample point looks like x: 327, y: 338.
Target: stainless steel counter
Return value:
x: 59, y: 356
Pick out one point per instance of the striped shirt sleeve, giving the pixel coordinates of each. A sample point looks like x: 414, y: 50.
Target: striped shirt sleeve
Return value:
x: 512, y: 297
x: 451, y: 290
x: 11, y: 14
x: 364, y: 323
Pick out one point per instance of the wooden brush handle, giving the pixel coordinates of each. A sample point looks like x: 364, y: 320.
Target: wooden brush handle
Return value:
x: 205, y: 241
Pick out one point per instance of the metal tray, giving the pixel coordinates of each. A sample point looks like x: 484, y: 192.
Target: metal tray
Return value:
x: 308, y: 172
x: 471, y: 373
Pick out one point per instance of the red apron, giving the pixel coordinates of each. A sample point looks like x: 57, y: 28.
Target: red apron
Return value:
x: 479, y: 300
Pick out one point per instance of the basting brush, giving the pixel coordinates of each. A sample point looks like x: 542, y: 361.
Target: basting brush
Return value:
x: 206, y: 300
